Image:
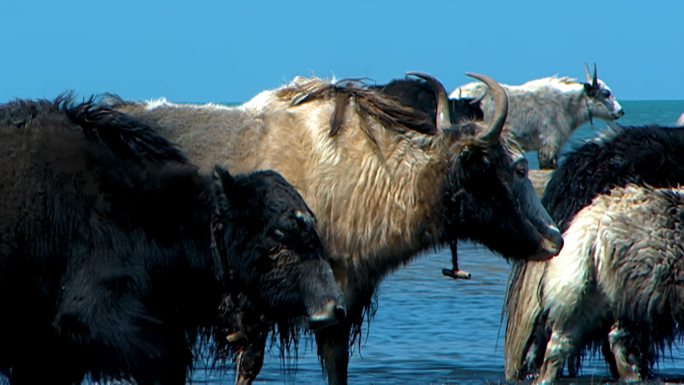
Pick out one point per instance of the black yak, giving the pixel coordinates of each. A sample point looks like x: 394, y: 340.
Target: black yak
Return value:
x: 383, y: 186
x: 116, y: 253
x: 621, y: 253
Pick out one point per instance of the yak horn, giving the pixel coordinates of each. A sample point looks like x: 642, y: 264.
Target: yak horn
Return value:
x: 591, y: 79
x: 587, y: 73
x: 443, y: 118
x: 491, y: 135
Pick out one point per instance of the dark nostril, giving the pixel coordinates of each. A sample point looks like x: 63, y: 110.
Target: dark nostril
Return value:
x: 340, y: 312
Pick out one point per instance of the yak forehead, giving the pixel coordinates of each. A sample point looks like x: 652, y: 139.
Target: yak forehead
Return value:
x: 271, y: 192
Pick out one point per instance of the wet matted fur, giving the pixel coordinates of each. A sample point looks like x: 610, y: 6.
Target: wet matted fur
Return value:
x: 642, y: 155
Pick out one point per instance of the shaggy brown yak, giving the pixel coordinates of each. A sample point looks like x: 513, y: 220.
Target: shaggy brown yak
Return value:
x: 384, y: 181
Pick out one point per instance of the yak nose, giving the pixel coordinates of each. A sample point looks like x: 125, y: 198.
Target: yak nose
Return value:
x: 553, y: 240
x: 331, y: 313
x: 620, y: 113
x: 554, y: 243
x: 551, y: 245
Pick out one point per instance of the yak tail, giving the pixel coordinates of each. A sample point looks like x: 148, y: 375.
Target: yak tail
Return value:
x: 524, y: 313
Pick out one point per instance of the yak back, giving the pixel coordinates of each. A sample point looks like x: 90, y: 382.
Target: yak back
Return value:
x: 643, y: 155
x: 390, y: 112
x: 80, y: 171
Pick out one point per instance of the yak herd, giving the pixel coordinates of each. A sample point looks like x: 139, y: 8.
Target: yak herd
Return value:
x: 136, y: 235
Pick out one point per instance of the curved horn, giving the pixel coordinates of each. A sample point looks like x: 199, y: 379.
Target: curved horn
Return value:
x: 443, y: 118
x: 491, y: 135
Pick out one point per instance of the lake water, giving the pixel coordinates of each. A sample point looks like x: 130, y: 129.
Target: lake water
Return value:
x: 430, y: 329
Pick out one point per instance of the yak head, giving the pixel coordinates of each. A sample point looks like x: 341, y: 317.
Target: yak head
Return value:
x: 600, y: 100
x: 274, y: 253
x: 488, y: 197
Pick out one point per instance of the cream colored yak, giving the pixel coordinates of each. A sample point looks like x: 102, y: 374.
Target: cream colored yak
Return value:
x: 384, y: 181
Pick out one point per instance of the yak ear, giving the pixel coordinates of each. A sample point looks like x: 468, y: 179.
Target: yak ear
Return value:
x: 589, y: 89
x: 223, y: 186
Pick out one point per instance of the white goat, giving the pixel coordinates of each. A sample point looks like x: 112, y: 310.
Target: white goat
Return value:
x: 543, y: 113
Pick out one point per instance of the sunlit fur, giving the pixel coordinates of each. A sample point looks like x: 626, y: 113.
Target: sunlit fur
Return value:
x: 618, y: 277
x: 545, y: 112
x: 392, y: 182
x: 377, y: 185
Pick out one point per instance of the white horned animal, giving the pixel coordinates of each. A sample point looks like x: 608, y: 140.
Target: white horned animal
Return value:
x: 544, y: 113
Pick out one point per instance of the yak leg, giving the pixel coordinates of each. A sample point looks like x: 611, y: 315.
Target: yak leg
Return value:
x: 561, y: 345
x: 626, y: 359
x: 333, y: 349
x: 573, y: 363
x: 548, y: 156
x: 250, y: 359
x: 609, y: 357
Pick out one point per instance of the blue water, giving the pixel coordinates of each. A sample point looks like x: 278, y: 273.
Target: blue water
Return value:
x: 430, y: 329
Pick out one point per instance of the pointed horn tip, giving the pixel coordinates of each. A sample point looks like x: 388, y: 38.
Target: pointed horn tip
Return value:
x: 419, y: 74
x: 480, y: 77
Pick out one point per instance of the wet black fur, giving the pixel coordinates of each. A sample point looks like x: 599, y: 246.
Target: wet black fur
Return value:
x: 652, y: 155
x: 106, y: 262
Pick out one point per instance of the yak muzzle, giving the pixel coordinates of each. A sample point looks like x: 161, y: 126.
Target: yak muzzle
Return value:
x: 551, y: 245
x: 332, y: 313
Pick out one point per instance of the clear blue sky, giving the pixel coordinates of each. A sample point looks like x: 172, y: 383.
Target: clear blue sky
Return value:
x: 228, y: 51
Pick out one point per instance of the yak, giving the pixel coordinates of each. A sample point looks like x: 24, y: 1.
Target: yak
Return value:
x: 545, y: 112
x: 116, y: 252
x: 647, y: 158
x: 382, y: 186
x: 618, y: 279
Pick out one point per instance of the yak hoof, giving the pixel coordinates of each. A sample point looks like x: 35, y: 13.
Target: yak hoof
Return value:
x: 456, y: 274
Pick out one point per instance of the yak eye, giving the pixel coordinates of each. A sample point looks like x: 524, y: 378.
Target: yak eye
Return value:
x: 521, y: 168
x: 605, y: 94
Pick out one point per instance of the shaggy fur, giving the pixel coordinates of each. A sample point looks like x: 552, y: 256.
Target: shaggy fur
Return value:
x: 115, y: 253
x: 545, y: 112
x: 382, y: 191
x: 618, y: 276
x: 649, y: 155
